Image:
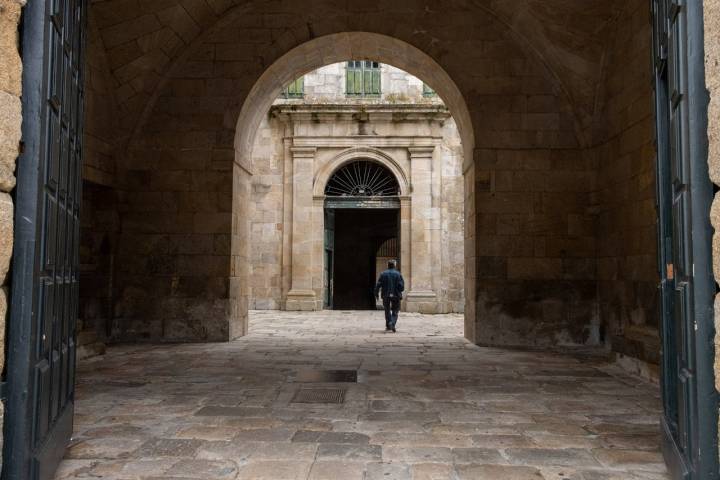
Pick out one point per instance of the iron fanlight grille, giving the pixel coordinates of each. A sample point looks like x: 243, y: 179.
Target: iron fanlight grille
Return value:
x: 362, y: 179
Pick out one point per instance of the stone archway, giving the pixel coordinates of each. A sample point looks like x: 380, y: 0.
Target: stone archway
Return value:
x: 336, y: 48
x: 298, y: 61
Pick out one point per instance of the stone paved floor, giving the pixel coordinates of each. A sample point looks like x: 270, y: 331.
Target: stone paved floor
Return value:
x: 427, y: 405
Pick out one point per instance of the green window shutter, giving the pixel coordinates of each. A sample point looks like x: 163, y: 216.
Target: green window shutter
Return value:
x: 349, y: 81
x: 362, y: 78
x: 376, y: 82
x: 296, y: 89
x: 357, y: 82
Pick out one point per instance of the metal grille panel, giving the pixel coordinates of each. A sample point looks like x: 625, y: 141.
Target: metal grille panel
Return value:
x: 362, y: 179
x: 326, y: 376
x: 319, y: 395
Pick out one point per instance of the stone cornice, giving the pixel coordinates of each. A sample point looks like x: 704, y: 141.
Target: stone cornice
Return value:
x: 303, y: 152
x: 355, y: 112
x: 421, y: 151
x: 374, y: 141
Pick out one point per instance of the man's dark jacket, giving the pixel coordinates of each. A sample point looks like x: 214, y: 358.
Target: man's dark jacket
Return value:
x: 391, y: 283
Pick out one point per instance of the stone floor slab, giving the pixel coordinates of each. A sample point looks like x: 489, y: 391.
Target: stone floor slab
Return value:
x: 428, y: 405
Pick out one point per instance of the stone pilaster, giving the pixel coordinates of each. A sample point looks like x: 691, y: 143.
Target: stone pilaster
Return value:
x: 301, y: 295
x: 421, y: 296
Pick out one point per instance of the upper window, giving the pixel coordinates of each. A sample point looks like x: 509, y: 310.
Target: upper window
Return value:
x: 296, y: 89
x: 427, y: 91
x: 363, y: 78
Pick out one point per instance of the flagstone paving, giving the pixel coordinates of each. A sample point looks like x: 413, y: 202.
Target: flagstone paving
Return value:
x: 427, y: 405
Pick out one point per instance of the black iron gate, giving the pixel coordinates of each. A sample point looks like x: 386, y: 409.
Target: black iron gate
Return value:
x: 44, y: 296
x: 684, y: 194
x: 328, y: 268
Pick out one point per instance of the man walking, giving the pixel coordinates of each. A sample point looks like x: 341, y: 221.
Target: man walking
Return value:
x: 392, y: 285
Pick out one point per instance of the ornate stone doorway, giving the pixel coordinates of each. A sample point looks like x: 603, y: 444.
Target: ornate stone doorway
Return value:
x: 362, y: 212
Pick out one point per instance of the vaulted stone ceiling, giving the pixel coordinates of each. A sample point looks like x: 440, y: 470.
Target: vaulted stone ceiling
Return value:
x: 142, y: 40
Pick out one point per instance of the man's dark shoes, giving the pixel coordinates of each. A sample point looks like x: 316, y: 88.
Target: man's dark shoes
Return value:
x: 393, y: 329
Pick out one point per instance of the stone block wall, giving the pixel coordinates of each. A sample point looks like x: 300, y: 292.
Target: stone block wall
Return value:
x: 535, y: 245
x: 239, y: 288
x: 10, y: 125
x: 98, y: 231
x: 100, y: 216
x: 173, y: 256
x: 267, y: 217
x: 711, y: 13
x: 451, y: 291
x: 100, y: 129
x: 623, y: 139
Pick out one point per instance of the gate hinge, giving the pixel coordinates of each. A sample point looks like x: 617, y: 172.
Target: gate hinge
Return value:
x: 3, y: 391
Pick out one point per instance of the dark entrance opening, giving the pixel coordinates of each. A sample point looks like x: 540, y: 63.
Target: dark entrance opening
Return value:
x: 358, y: 235
x: 362, y: 217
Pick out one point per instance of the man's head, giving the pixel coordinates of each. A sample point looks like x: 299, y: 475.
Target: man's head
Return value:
x: 392, y: 264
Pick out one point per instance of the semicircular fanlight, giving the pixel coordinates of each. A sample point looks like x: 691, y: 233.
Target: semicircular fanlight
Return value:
x: 362, y: 179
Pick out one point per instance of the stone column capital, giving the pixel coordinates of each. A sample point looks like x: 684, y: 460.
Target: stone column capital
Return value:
x: 303, y: 152
x: 421, y: 152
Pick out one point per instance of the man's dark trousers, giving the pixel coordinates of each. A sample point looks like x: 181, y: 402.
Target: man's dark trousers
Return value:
x: 392, y: 307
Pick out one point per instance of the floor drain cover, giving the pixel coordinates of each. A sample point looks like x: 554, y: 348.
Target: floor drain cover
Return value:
x: 319, y: 395
x: 326, y: 376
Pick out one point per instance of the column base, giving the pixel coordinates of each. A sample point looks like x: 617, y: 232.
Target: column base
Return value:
x: 421, y: 301
x: 301, y: 300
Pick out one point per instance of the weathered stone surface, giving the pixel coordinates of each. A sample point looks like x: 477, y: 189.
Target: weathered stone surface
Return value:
x: 468, y: 472
x: 349, y: 452
x: 330, y: 437
x: 169, y: 447
x: 711, y: 18
x: 10, y: 123
x: 104, y: 448
x: 220, y: 470
x: 3, y: 316
x: 324, y: 470
x: 569, y: 457
x: 275, y: 470
x: 10, y: 63
x: 148, y: 430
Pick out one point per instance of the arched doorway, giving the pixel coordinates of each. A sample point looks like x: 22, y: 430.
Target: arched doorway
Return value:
x: 307, y: 186
x: 361, y: 212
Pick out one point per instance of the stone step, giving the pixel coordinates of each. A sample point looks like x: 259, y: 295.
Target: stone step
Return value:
x: 85, y: 337
x: 88, y: 345
x: 90, y: 350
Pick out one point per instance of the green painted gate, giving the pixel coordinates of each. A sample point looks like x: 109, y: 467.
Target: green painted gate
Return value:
x: 684, y: 193
x: 44, y: 288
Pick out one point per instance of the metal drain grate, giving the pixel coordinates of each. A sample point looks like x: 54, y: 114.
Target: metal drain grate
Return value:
x: 319, y: 395
x: 325, y: 376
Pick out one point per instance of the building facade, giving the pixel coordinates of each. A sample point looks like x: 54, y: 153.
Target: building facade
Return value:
x: 302, y: 256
